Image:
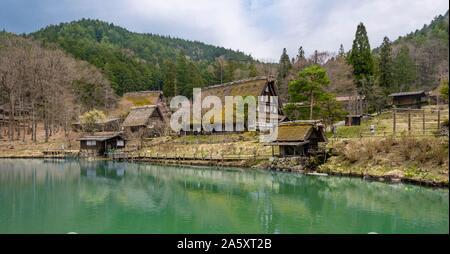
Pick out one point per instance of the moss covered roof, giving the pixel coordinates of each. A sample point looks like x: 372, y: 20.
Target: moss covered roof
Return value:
x: 245, y: 87
x: 299, y: 131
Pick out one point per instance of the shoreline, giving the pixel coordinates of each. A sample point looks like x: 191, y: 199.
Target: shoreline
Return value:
x: 242, y: 165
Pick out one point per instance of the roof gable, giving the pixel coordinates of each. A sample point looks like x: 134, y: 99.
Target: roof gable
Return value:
x: 139, y: 116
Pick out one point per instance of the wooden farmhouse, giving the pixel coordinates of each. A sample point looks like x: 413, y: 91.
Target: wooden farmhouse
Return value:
x: 299, y: 138
x: 145, y: 118
x: 409, y: 99
x: 258, y: 86
x: 99, y: 144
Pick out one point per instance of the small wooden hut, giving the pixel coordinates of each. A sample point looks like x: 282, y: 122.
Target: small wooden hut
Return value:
x: 299, y: 138
x: 409, y: 99
x: 98, y: 144
x: 352, y: 120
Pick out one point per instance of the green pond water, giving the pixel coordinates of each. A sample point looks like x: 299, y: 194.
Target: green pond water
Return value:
x: 38, y: 196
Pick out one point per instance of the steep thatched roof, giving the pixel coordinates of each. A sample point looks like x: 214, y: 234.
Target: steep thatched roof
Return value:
x: 300, y: 131
x: 139, y: 116
x: 245, y: 87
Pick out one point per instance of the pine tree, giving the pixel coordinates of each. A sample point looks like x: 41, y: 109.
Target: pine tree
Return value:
x: 385, y: 66
x: 404, y: 70
x: 284, y: 65
x: 169, y: 79
x: 316, y: 57
x: 301, y: 54
x: 341, y: 52
x: 360, y: 56
x: 309, y: 87
x: 252, y: 71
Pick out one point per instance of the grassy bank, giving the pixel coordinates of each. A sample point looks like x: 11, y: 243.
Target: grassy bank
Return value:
x: 415, y: 159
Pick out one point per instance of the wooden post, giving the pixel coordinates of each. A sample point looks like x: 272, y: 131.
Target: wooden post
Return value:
x: 409, y: 119
x: 394, y: 118
x: 423, y: 121
x: 439, y: 118
x: 273, y: 152
x: 439, y: 113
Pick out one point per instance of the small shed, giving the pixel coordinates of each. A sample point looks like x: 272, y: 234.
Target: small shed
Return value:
x: 99, y: 144
x: 409, y: 99
x: 352, y: 120
x: 144, y: 117
x: 298, y: 138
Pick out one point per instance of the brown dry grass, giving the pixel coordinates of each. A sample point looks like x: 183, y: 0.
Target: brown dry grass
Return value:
x: 417, y: 157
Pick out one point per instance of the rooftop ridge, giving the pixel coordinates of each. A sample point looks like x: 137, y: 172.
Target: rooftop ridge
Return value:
x: 237, y: 82
x: 143, y: 92
x: 144, y: 107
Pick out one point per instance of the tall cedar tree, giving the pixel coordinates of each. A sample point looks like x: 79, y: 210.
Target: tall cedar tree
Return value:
x: 341, y: 51
x: 301, y: 53
x: 385, y: 66
x: 284, y: 66
x: 169, y: 79
x: 361, y: 56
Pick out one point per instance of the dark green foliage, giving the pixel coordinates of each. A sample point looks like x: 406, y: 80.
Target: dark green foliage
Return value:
x: 341, y: 52
x: 301, y: 53
x: 135, y: 61
x: 404, y: 70
x: 360, y: 56
x: 284, y: 65
x: 385, y: 66
x: 429, y: 51
x: 310, y: 89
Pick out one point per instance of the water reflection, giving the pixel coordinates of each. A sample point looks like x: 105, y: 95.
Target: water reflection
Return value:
x: 111, y: 197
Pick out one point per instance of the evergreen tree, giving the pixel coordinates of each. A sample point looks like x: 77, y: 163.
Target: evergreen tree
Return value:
x: 360, y: 56
x: 404, y: 70
x: 182, y: 79
x: 385, y: 66
x: 341, y: 52
x: 169, y: 79
x: 301, y: 53
x: 252, y: 71
x: 310, y: 87
x: 230, y: 68
x: 284, y: 65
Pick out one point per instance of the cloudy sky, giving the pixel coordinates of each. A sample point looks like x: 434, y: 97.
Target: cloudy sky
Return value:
x: 258, y: 27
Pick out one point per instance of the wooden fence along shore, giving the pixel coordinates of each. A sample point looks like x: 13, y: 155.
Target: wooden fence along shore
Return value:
x: 123, y: 156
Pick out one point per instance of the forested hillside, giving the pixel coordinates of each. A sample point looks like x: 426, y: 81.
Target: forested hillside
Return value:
x: 421, y: 58
x: 134, y: 61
